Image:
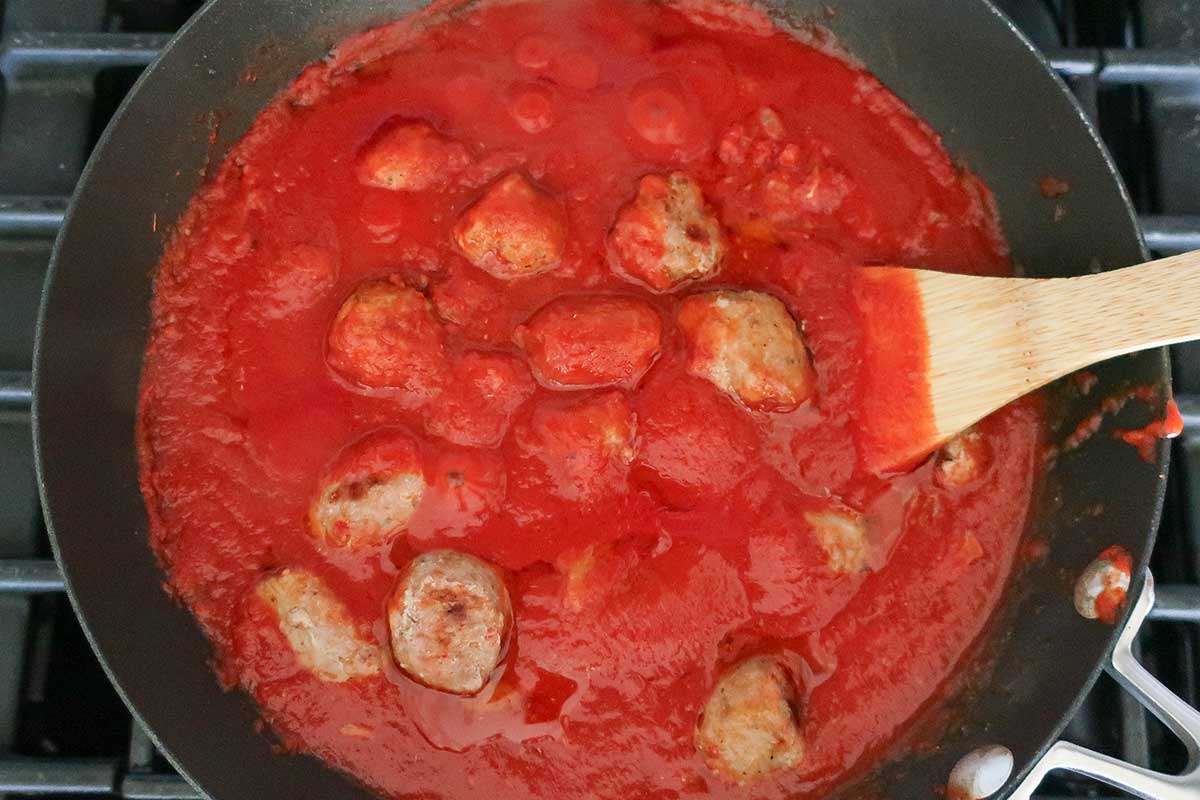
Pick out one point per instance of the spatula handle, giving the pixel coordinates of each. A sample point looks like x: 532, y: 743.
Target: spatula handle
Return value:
x: 1091, y: 318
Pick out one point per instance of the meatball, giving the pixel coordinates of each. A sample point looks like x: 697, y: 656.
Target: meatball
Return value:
x: 578, y: 569
x: 472, y: 303
x: 747, y: 345
x: 514, y: 230
x: 298, y: 278
x: 532, y: 109
x: 843, y: 536
x: 659, y: 114
x: 584, y: 445
x: 665, y: 235
x: 694, y: 445
x: 592, y: 575
x: 369, y: 493
x: 591, y: 341
x: 449, y: 618
x: 749, y: 725
x: 963, y: 460
x: 465, y: 489
x: 483, y: 393
x: 317, y: 627
x: 386, y: 336
x: 781, y: 184
x: 666, y: 119
x: 410, y: 156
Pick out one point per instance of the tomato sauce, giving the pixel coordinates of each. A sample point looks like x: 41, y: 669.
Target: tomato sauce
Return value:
x: 1143, y: 438
x: 893, y: 383
x: 635, y: 580
x: 1146, y: 438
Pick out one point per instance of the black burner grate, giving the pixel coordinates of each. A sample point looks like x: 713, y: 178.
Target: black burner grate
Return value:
x: 66, y: 64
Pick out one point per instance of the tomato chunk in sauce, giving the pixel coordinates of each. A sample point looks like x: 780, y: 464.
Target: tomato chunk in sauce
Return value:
x: 499, y: 417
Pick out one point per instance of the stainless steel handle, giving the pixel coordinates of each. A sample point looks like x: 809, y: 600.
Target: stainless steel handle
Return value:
x: 1177, y: 715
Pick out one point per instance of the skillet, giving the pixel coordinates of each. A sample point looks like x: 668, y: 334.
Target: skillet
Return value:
x: 959, y: 63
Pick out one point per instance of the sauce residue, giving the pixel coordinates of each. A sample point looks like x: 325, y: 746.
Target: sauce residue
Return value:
x: 1089, y: 425
x: 1143, y: 439
x: 1146, y: 438
x: 637, y: 578
x: 1085, y: 381
x: 1052, y: 188
x: 1115, y: 593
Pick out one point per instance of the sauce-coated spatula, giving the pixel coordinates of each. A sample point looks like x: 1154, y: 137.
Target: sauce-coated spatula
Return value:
x: 988, y: 341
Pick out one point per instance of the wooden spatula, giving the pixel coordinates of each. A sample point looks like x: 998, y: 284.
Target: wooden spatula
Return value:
x: 943, y: 351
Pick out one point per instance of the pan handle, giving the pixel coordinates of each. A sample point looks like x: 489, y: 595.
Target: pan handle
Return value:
x: 1164, y: 704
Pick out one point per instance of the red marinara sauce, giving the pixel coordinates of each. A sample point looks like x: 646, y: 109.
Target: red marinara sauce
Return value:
x: 412, y: 267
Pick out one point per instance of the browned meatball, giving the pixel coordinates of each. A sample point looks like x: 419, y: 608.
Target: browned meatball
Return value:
x: 747, y: 345
x: 749, y: 727
x: 963, y: 460
x: 665, y: 235
x: 584, y: 444
x: 370, y: 492
x: 317, y: 627
x: 480, y: 398
x: 591, y: 340
x: 450, y: 618
x: 386, y: 336
x: 298, y: 279
x: 842, y: 534
x: 514, y: 230
x: 410, y: 156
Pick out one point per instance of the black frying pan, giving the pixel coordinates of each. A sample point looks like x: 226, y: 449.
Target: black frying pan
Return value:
x: 963, y: 68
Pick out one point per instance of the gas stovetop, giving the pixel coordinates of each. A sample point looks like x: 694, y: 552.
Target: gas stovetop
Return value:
x: 66, y: 64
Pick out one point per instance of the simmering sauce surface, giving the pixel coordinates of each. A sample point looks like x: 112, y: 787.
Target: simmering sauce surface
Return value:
x: 556, y: 393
